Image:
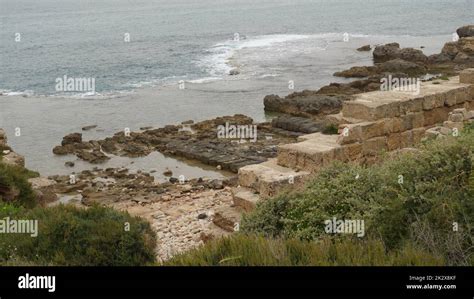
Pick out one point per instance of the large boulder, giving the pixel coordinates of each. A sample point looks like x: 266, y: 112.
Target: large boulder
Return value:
x: 465, y: 31
x: 386, y: 52
x: 460, y: 52
x: 392, y: 51
x: 413, y: 55
x: 364, y: 48
x: 450, y: 49
x: 306, y: 103
x: 71, y: 139
x: 63, y: 150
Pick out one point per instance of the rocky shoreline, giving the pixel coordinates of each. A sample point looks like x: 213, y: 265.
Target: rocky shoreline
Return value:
x: 185, y: 212
x: 300, y: 113
x: 188, y: 140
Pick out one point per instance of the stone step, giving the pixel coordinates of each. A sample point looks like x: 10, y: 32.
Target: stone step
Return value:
x: 339, y: 119
x: 269, y: 178
x: 313, y: 152
x: 376, y: 105
x: 245, y: 198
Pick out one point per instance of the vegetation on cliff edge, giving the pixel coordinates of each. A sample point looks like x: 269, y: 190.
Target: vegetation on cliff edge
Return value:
x: 67, y: 235
x: 418, y: 205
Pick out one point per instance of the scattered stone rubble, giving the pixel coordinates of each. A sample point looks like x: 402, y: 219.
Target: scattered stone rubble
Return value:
x: 184, y: 214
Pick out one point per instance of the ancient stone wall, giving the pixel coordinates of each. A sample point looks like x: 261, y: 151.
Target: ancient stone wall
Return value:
x: 375, y: 121
x: 385, y: 121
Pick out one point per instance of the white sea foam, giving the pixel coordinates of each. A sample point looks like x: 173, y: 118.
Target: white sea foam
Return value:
x: 6, y: 92
x: 219, y: 59
x: 252, y: 56
x: 204, y: 80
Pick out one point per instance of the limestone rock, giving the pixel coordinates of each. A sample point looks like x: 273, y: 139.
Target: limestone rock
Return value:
x: 463, y: 58
x: 225, y: 220
x: 467, y: 76
x: 71, y: 139
x: 298, y: 124
x: 386, y: 52
x: 466, y: 45
x: 413, y: 55
x: 13, y: 158
x: 392, y: 51
x: 87, y: 128
x: 470, y: 114
x: 44, y: 189
x: 453, y: 125
x: 305, y: 103
x: 439, y: 58
x: 364, y: 48
x: 450, y: 49
x: 465, y: 31
x: 216, y: 184
x: 357, y: 72
x: 456, y: 117
x: 95, y: 157
x: 400, y: 65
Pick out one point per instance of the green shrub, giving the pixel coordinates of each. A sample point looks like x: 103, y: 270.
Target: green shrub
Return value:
x: 78, y: 237
x: 341, y: 191
x: 15, y: 179
x: 430, y: 188
x: 251, y: 250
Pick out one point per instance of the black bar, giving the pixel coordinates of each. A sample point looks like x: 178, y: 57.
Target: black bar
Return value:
x: 221, y: 282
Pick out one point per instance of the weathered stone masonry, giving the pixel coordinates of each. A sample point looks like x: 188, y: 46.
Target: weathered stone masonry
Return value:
x: 373, y: 122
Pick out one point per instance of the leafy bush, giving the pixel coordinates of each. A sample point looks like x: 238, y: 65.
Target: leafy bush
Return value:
x: 15, y: 179
x: 251, y: 250
x: 430, y: 188
x: 78, y: 237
